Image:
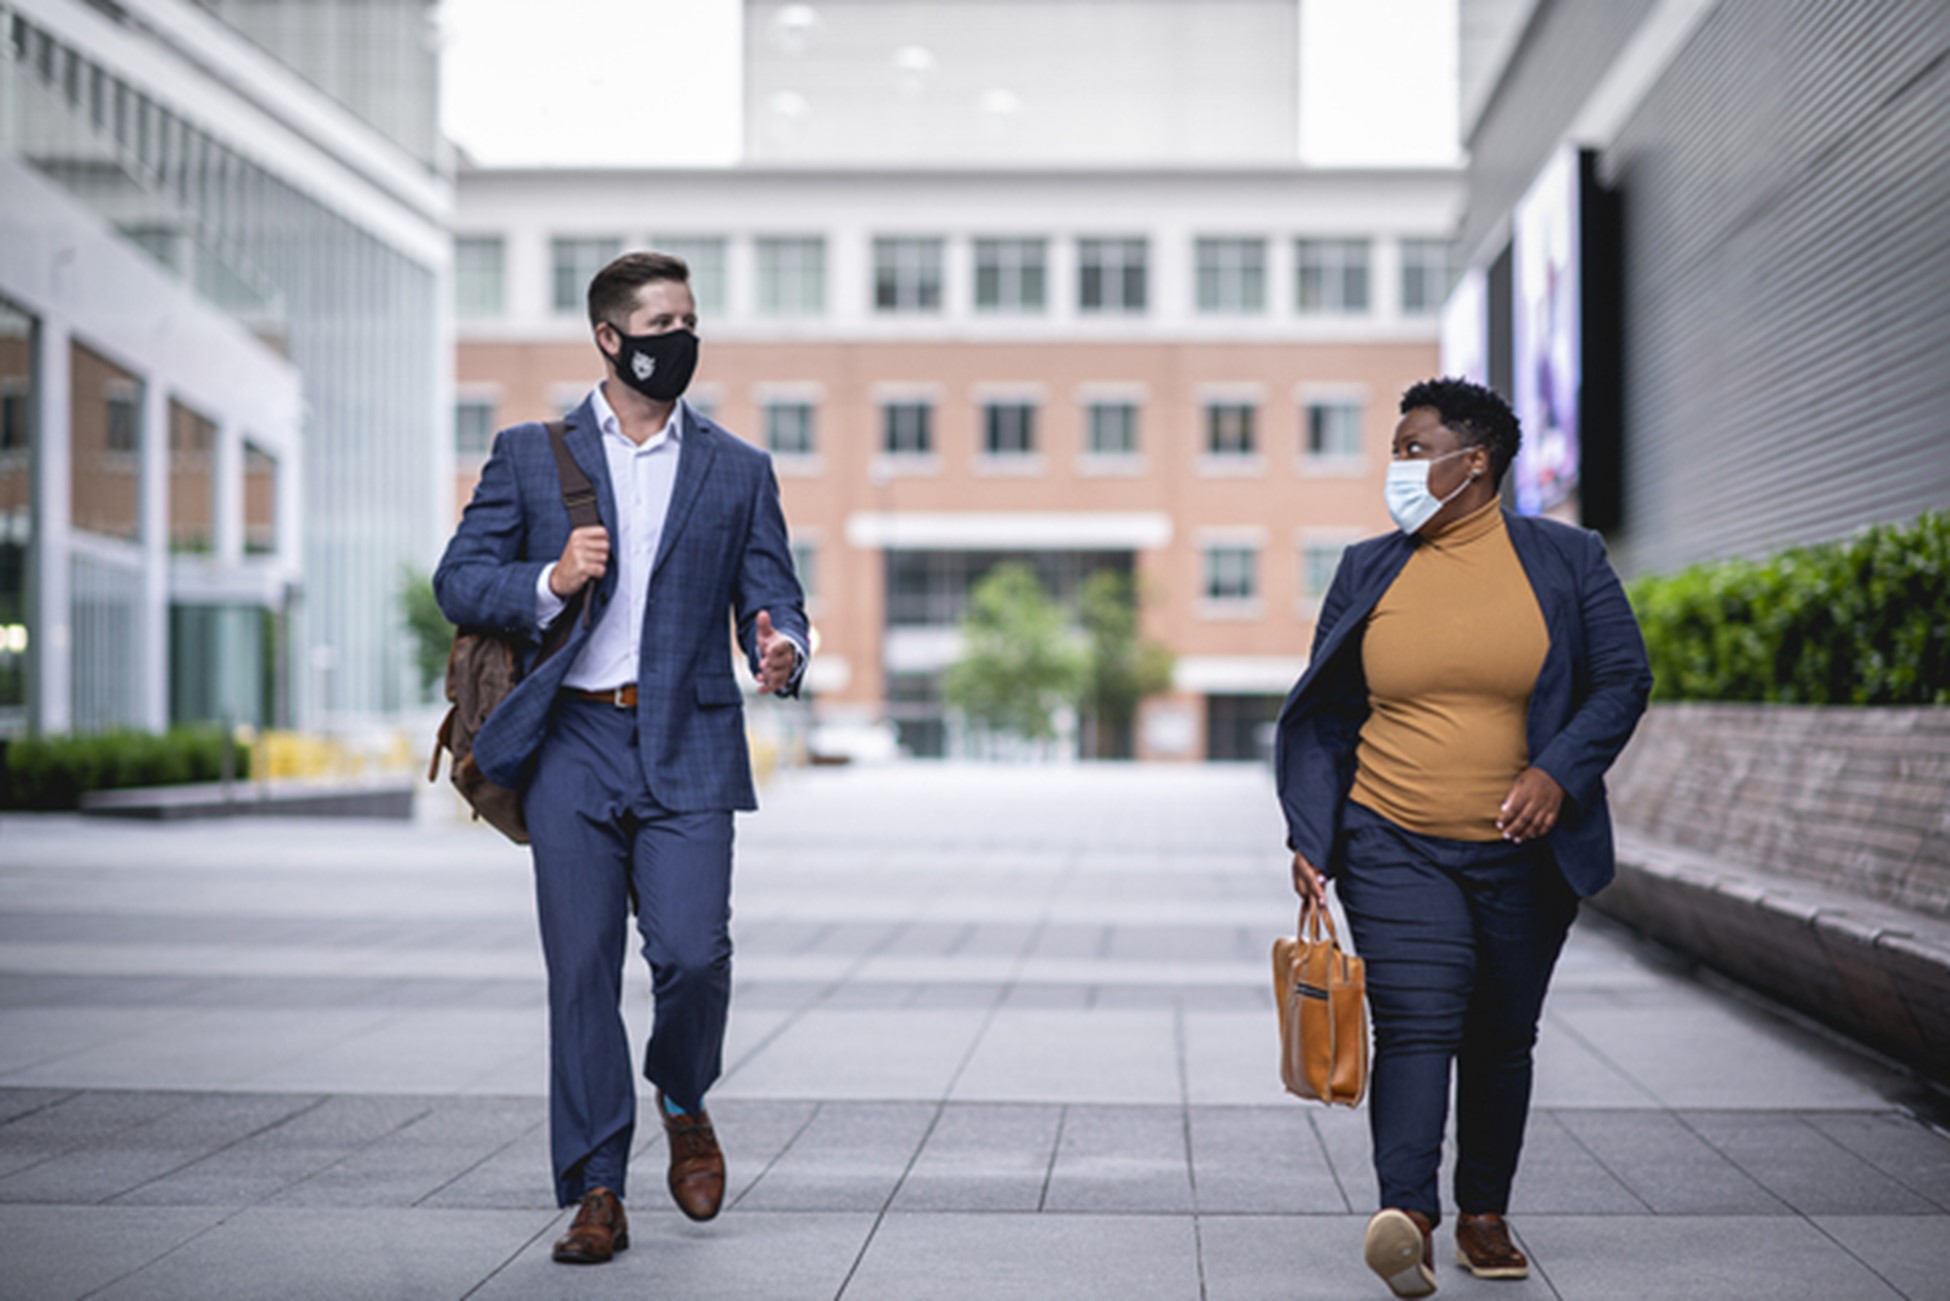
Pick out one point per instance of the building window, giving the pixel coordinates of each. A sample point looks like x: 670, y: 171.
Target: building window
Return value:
x: 704, y: 255
x: 805, y: 563
x: 1230, y: 428
x: 480, y: 271
x: 1010, y: 274
x: 1231, y: 573
x: 1333, y: 275
x: 1111, y: 429
x: 1318, y: 561
x: 574, y: 263
x: 14, y: 399
x: 473, y: 426
x: 1333, y: 431
x: 1111, y: 275
x: 124, y: 421
x: 791, y: 277
x: 907, y: 275
x: 1009, y: 429
x: 1426, y: 275
x: 1231, y: 276
x: 789, y: 428
x: 907, y: 428
x: 260, y: 501
x: 192, y: 481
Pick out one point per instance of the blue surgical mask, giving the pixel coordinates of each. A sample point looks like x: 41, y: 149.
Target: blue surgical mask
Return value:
x: 1410, y: 503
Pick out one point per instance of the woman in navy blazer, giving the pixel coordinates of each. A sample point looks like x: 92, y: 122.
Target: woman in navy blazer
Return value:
x: 1458, y: 802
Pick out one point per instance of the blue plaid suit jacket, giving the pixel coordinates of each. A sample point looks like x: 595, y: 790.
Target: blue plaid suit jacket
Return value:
x: 724, y: 555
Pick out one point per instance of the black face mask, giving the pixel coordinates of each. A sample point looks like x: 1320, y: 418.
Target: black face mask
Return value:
x: 659, y: 366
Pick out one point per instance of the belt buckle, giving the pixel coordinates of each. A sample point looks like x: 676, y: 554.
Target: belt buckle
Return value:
x: 616, y: 695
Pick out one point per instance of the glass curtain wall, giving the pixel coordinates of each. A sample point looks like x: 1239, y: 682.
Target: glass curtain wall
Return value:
x: 18, y: 339
x: 357, y: 318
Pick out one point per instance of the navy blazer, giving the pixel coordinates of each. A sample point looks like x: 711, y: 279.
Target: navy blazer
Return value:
x: 723, y: 555
x: 1588, y: 697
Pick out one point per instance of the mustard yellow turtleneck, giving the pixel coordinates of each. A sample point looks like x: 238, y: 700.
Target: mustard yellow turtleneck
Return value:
x: 1451, y: 652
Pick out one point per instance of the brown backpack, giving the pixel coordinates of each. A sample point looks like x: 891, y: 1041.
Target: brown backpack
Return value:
x: 485, y: 664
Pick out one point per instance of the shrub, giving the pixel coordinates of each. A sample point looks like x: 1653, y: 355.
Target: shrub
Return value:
x: 1861, y: 621
x: 53, y: 772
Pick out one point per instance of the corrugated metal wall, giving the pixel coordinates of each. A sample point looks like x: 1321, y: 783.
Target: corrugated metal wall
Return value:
x: 1786, y: 194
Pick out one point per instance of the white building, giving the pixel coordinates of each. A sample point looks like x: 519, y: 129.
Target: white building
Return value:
x: 221, y: 433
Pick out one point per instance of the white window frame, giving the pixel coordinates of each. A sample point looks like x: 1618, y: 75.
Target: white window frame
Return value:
x: 706, y: 257
x: 909, y: 272
x: 573, y: 261
x: 1011, y: 261
x: 791, y: 275
x: 1229, y: 275
x: 1112, y: 259
x: 1336, y: 262
x: 472, y: 278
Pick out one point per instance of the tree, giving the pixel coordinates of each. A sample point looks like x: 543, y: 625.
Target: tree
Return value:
x: 433, y: 636
x: 1019, y: 662
x: 1120, y: 668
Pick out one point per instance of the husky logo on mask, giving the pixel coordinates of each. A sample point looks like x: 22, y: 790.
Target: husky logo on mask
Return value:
x: 643, y: 365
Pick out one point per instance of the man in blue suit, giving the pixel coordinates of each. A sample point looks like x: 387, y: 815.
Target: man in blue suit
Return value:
x: 628, y: 742
x: 1442, y: 759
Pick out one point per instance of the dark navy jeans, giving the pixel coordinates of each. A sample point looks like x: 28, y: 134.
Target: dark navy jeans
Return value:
x: 603, y: 844
x: 1459, y: 938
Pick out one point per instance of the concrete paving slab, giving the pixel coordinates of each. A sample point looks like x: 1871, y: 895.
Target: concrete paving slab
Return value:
x: 1111, y: 1056
x: 1560, y: 1174
x: 1913, y: 1154
x: 849, y: 1156
x: 1121, y: 1160
x: 1802, y: 1166
x: 989, y: 1157
x: 1016, y: 1257
x: 1694, y: 1258
x: 856, y: 1054
x: 333, y: 1254
x: 741, y: 1256
x: 1667, y: 1166
x: 1906, y: 1251
x: 1261, y: 1161
x: 55, y: 1253
x: 1318, y: 1258
x: 428, y: 1153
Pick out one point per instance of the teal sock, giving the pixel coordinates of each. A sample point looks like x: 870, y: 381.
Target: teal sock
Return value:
x: 672, y: 1109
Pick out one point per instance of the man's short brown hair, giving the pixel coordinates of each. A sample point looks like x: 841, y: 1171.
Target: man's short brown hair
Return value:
x: 612, y: 294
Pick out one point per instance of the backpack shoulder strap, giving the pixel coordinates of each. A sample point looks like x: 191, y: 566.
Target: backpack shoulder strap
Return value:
x: 578, y: 494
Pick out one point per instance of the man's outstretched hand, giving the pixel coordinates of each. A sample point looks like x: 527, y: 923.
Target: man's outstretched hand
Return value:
x: 777, y: 656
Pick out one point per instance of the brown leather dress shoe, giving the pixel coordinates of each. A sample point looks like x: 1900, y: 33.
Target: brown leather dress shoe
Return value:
x: 599, y: 1230
x: 1400, y: 1247
x: 1483, y: 1247
x: 696, y: 1162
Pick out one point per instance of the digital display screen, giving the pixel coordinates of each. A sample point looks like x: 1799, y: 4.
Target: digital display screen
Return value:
x: 1466, y: 328
x: 1546, y: 336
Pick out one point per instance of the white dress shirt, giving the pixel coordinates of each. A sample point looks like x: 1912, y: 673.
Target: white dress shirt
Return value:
x: 642, y: 479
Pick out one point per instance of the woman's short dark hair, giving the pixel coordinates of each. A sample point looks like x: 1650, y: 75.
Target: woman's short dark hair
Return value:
x: 1474, y: 414
x: 612, y: 294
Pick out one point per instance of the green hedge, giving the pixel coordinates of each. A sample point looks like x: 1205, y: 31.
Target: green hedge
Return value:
x: 52, y: 772
x: 1863, y: 621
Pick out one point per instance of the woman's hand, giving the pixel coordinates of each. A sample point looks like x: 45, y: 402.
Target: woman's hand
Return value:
x: 1308, y: 883
x: 1530, y: 809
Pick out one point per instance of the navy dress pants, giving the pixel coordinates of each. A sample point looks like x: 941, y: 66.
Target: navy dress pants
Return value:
x: 1459, y: 938
x: 602, y: 843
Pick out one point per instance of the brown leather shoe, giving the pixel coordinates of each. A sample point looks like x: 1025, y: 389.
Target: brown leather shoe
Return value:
x: 1483, y: 1247
x: 599, y: 1230
x: 1400, y: 1247
x: 696, y: 1162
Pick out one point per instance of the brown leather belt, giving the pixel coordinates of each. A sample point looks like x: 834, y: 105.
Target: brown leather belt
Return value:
x: 623, y: 697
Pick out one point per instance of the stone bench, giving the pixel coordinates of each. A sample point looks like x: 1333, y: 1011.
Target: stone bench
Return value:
x: 378, y: 799
x: 1803, y: 851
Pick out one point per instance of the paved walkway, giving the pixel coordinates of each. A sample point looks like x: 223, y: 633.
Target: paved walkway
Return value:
x: 998, y: 1034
